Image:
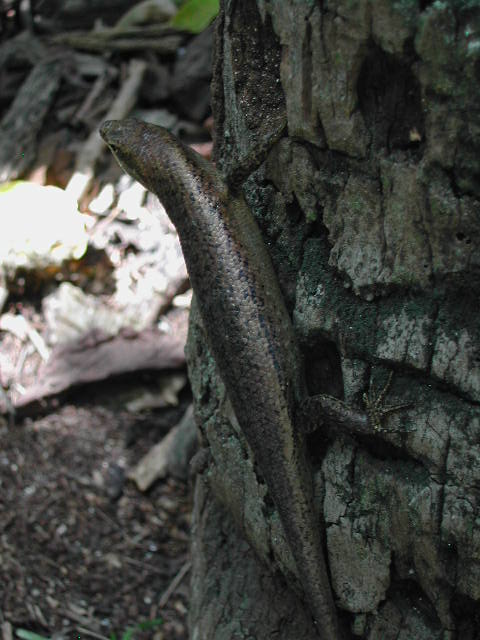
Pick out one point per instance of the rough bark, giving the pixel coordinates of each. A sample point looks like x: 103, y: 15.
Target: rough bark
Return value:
x: 370, y: 206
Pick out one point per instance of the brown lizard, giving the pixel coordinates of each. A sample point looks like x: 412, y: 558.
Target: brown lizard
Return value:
x: 249, y: 333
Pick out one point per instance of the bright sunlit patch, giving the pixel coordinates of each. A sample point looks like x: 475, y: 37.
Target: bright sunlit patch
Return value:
x: 39, y: 226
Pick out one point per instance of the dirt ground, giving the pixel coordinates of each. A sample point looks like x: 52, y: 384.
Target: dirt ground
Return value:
x: 83, y: 553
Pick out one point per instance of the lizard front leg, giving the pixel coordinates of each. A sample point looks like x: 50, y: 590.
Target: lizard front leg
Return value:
x: 324, y: 409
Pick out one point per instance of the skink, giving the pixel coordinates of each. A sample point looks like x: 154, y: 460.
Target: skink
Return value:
x: 248, y: 329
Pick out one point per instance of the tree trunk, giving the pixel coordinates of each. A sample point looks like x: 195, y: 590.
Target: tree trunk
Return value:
x: 369, y: 205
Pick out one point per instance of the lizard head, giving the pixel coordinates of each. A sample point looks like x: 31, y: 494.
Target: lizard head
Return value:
x: 129, y: 141
x: 161, y: 162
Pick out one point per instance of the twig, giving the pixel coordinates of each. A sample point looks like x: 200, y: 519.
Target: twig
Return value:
x: 144, y: 565
x: 20, y: 327
x: 130, y: 541
x: 97, y: 89
x: 93, y: 634
x: 174, y: 584
x: 22, y: 122
x: 156, y: 38
x: 94, y: 145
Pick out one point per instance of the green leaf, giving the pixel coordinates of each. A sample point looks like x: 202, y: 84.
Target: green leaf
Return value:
x: 195, y: 15
x: 142, y: 626
x: 8, y: 186
x: 29, y: 635
x: 150, y: 624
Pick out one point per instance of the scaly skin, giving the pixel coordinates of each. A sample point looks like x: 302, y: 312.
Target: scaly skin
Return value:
x: 248, y: 328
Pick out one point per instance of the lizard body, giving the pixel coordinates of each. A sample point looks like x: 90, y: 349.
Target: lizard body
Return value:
x: 248, y: 329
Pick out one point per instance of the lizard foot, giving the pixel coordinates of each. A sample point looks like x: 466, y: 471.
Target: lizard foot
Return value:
x: 377, y: 411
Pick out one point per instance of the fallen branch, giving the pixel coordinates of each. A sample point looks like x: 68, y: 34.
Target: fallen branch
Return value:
x: 94, y: 146
x: 157, y: 38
